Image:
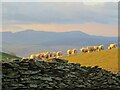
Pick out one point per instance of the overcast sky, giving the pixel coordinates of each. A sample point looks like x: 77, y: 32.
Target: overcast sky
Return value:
x: 92, y: 18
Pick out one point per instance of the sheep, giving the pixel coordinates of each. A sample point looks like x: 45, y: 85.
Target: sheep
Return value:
x: 83, y: 50
x: 47, y: 55
x: 54, y: 54
x: 50, y: 54
x: 96, y: 48
x: 101, y: 47
x: 59, y: 54
x: 32, y: 57
x: 69, y: 52
x: 90, y: 48
x: 74, y: 51
x: 111, y: 46
x: 38, y: 55
x: 42, y: 55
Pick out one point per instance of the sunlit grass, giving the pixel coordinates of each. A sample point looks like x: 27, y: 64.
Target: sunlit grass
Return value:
x: 107, y: 59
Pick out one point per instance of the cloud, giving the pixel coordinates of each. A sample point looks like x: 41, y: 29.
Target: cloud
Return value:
x: 60, y: 13
x: 92, y: 18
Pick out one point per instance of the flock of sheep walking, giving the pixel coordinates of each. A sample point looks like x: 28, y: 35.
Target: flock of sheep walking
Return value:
x: 49, y: 55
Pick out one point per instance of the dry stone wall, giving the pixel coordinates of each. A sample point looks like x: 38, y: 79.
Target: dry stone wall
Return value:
x: 56, y: 75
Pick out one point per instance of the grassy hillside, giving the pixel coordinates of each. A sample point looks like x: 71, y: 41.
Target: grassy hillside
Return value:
x: 5, y: 56
x: 107, y: 59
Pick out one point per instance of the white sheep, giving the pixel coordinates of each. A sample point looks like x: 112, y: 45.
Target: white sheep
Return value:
x: 90, y: 48
x: 59, y: 54
x: 51, y: 54
x: 32, y: 57
x: 96, y: 48
x: 37, y: 55
x: 101, y: 47
x: 83, y: 50
x: 43, y: 55
x: 47, y: 55
x: 54, y: 54
x: 111, y: 46
x: 69, y: 52
x: 74, y: 51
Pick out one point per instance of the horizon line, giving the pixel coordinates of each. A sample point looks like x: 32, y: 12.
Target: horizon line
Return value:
x: 58, y: 32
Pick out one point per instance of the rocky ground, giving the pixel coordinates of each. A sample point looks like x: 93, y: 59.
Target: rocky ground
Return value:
x: 56, y: 75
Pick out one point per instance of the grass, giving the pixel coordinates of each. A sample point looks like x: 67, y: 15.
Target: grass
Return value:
x: 5, y: 56
x: 106, y: 59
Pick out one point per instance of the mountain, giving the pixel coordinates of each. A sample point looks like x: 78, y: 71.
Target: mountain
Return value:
x: 38, y: 37
x: 30, y: 41
x: 46, y: 38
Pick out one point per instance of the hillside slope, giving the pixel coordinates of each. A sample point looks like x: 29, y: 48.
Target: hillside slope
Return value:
x: 4, y: 56
x: 107, y: 59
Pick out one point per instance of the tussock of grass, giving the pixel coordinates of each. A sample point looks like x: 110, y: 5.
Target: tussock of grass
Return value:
x: 107, y: 59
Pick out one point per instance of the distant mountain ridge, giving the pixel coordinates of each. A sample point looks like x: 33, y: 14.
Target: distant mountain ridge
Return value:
x: 42, y: 37
x: 30, y: 41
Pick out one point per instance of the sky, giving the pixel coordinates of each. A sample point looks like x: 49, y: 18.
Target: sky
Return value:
x: 94, y: 18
